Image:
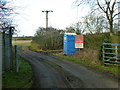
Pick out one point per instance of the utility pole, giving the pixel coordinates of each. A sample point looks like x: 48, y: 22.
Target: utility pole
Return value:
x: 47, y: 11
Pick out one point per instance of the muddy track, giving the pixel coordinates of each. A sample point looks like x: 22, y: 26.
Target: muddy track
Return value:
x: 77, y: 76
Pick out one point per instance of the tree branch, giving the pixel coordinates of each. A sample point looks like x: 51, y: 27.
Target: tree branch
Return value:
x: 113, y: 4
x: 116, y: 14
x: 101, y: 7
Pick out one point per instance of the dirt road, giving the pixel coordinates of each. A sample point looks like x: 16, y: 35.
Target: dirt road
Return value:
x: 46, y: 76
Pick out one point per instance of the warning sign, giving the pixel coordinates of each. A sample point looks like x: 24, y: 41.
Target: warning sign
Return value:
x: 79, y: 41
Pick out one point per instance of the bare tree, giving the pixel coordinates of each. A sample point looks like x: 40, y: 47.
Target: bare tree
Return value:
x: 5, y: 12
x: 94, y: 24
x: 108, y: 7
x: 110, y: 11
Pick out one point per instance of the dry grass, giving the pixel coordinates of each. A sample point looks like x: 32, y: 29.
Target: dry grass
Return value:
x: 21, y: 42
x: 85, y: 55
x: 88, y: 54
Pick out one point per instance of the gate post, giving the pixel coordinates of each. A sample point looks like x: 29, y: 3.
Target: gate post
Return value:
x: 116, y: 52
x: 103, y: 52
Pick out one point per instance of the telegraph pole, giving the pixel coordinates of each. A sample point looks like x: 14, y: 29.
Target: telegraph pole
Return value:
x: 47, y: 11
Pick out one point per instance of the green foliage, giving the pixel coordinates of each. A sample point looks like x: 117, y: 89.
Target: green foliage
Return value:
x: 93, y: 41
x: 50, y: 40
x: 32, y: 48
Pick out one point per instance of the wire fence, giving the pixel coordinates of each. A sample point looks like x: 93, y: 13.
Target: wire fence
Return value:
x: 6, y: 52
x: 0, y: 61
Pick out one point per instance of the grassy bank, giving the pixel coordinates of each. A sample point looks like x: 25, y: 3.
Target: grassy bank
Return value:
x: 21, y: 79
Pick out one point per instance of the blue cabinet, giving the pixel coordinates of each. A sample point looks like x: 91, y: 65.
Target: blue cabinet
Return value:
x: 69, y: 44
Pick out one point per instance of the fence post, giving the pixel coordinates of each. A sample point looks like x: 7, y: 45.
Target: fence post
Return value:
x: 116, y: 52
x: 10, y: 42
x: 103, y: 52
x: 16, y: 57
x: 1, y: 60
x: 4, y: 58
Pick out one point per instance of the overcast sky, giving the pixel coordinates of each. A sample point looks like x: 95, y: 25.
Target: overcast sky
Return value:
x: 31, y: 16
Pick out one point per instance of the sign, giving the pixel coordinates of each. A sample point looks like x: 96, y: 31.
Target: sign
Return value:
x: 78, y: 41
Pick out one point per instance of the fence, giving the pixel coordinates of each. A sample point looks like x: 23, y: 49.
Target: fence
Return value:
x: 111, y: 53
x: 6, y: 52
x: 0, y: 61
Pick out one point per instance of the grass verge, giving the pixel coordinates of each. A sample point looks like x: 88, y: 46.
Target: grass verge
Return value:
x: 111, y: 69
x: 43, y: 51
x: 32, y: 48
x: 21, y: 79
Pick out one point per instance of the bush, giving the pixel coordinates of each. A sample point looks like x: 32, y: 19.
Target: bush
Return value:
x: 50, y: 40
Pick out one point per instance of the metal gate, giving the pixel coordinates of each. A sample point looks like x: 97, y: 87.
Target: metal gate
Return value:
x: 111, y: 53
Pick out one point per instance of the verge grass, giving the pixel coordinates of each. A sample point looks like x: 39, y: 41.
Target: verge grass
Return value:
x: 111, y: 69
x: 31, y: 47
x: 21, y: 79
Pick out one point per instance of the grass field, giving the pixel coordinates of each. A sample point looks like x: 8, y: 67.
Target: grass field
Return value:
x: 21, y: 42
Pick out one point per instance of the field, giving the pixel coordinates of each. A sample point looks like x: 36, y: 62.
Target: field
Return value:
x: 21, y: 42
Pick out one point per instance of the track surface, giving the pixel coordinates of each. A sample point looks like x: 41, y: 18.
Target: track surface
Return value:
x: 46, y: 76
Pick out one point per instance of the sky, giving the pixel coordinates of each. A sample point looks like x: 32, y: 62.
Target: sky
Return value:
x: 31, y: 17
